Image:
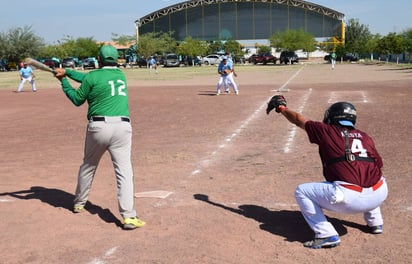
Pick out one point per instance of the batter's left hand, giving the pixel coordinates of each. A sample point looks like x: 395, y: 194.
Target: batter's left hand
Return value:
x: 59, y: 73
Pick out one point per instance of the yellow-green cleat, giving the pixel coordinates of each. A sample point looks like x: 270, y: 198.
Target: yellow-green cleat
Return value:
x: 78, y: 209
x: 130, y: 223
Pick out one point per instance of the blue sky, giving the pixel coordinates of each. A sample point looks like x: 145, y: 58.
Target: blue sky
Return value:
x: 54, y: 20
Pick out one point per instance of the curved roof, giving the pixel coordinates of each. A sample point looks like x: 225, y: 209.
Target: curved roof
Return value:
x: 194, y: 3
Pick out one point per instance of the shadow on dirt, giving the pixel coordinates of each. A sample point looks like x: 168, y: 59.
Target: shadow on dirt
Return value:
x: 289, y: 224
x: 207, y: 93
x: 61, y: 199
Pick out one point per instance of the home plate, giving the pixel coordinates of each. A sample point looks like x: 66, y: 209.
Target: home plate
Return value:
x: 153, y: 194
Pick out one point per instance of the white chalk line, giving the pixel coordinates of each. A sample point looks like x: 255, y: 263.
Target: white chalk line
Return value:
x: 292, y: 132
x: 282, y: 88
x: 106, y: 255
x: 355, y: 96
x: 207, y: 160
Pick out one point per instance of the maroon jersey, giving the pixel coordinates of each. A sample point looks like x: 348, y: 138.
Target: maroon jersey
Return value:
x: 332, y: 144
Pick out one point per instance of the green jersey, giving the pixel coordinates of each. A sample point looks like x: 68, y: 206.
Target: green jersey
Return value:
x: 104, y: 89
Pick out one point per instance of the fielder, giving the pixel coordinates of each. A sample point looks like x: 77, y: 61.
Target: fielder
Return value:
x: 229, y: 79
x: 351, y: 166
x: 26, y: 75
x: 224, y: 70
x: 152, y: 64
x: 108, y: 129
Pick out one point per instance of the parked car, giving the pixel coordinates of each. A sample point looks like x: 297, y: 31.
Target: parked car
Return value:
x: 141, y: 62
x: 51, y: 63
x: 189, y: 61
x: 121, y: 62
x: 349, y: 57
x: 263, y: 58
x: 251, y: 58
x: 212, y: 59
x: 288, y: 57
x: 10, y: 66
x: 171, y: 60
x: 71, y: 62
x: 3, y: 66
x: 239, y: 59
x: 90, y: 63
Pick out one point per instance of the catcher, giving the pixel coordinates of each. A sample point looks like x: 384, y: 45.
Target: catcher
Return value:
x: 351, y: 166
x: 224, y: 69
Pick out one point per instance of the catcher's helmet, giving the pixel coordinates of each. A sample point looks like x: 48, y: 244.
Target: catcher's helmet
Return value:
x: 341, y: 113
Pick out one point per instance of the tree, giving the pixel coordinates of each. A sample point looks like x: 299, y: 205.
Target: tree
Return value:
x: 123, y: 40
x: 156, y: 43
x: 215, y: 47
x: 69, y: 47
x: 233, y: 47
x: 192, y: 47
x: 408, y: 40
x: 264, y: 49
x: 19, y: 43
x: 356, y: 36
x: 293, y: 40
x: 392, y: 43
x: 372, y: 44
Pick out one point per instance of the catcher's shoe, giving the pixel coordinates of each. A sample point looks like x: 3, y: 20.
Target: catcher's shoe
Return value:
x: 78, y: 209
x: 376, y: 230
x: 130, y: 223
x: 326, y: 242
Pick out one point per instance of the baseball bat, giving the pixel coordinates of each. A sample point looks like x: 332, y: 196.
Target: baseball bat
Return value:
x: 38, y: 65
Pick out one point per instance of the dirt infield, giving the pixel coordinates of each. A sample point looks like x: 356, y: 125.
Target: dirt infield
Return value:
x: 229, y: 170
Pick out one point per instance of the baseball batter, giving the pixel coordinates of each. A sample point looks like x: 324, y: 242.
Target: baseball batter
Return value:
x: 108, y: 129
x: 26, y: 75
x: 351, y: 166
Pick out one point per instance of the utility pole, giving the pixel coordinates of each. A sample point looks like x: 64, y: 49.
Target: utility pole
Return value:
x: 137, y: 25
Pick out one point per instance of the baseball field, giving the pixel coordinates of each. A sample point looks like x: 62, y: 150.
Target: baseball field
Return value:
x: 214, y: 175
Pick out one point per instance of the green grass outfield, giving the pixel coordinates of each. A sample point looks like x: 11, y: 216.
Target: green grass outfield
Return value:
x: 10, y: 80
x: 45, y: 80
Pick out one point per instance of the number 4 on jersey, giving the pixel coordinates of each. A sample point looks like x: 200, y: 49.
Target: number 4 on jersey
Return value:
x: 357, y: 147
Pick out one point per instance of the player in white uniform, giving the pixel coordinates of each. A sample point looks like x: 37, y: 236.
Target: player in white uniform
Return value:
x: 229, y: 78
x: 223, y: 69
x: 26, y: 75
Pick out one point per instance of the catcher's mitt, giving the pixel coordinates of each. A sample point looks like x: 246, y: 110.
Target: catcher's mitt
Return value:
x: 277, y: 102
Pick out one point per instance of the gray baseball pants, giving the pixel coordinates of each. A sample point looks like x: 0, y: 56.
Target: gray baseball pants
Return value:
x: 115, y: 136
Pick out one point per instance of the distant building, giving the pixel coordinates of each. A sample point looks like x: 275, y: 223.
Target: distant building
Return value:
x: 242, y: 19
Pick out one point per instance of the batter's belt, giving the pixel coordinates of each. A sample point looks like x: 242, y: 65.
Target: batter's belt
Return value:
x: 103, y: 119
x: 360, y: 189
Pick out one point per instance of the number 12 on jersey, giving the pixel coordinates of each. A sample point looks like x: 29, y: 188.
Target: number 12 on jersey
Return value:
x: 120, y: 89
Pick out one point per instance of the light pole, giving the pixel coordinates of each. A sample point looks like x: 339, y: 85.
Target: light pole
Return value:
x: 137, y: 25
